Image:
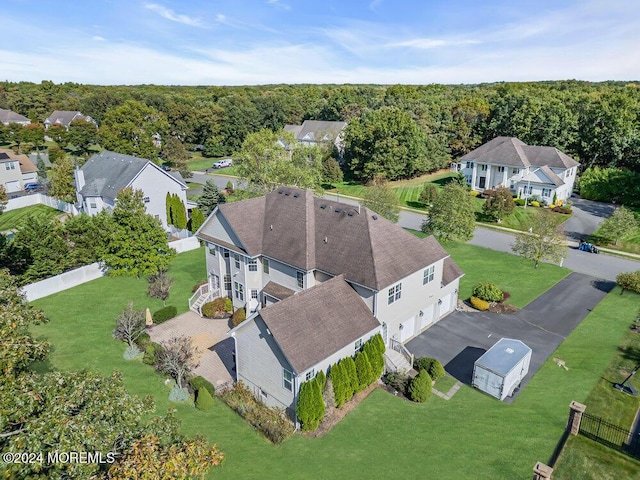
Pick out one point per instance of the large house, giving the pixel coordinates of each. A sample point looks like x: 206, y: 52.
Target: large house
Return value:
x: 318, y: 278
x: 314, y: 132
x: 65, y: 117
x: 16, y: 171
x: 105, y: 174
x: 526, y: 170
x: 8, y: 117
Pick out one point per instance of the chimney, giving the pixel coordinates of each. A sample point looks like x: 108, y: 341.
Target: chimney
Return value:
x: 79, y: 174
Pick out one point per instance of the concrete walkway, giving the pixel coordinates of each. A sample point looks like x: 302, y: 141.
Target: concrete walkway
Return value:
x: 452, y: 391
x: 209, y: 336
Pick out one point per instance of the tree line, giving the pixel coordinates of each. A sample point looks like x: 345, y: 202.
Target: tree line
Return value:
x: 597, y: 123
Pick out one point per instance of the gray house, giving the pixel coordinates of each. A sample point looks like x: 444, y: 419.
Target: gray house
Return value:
x: 313, y: 132
x: 8, y: 116
x: 65, y: 117
x: 274, y: 248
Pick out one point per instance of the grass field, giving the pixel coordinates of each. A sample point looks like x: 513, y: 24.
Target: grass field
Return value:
x: 629, y: 243
x: 13, y: 218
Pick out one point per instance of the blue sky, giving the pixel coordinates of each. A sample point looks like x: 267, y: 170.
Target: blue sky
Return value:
x: 225, y: 42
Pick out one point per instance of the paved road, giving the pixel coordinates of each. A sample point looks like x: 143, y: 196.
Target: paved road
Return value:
x: 462, y: 337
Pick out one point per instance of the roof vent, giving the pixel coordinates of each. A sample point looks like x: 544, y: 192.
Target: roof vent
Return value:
x: 338, y: 210
x: 323, y: 206
x: 351, y: 213
x: 287, y: 194
x: 280, y: 192
x: 509, y: 350
x: 270, y: 227
x: 375, y: 217
x: 296, y: 195
x: 326, y: 240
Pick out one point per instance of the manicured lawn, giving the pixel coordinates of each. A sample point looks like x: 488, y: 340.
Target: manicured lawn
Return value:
x: 469, y: 436
x: 198, y: 162
x: 630, y: 243
x: 13, y: 218
x: 445, y: 383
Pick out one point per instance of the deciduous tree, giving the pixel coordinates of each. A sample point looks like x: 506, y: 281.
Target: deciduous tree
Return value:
x: 160, y: 286
x: 129, y: 325
x: 177, y: 359
x: 621, y: 223
x: 499, y: 204
x: 544, y: 242
x: 382, y: 199
x: 176, y: 155
x: 62, y: 180
x: 452, y: 216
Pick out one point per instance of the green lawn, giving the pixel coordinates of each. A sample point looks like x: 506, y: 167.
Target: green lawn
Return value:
x: 630, y: 243
x: 469, y: 436
x: 12, y: 218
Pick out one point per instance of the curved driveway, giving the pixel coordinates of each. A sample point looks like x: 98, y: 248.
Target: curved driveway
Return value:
x: 461, y: 338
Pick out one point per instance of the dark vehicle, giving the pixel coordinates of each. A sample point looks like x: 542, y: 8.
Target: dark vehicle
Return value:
x: 588, y: 247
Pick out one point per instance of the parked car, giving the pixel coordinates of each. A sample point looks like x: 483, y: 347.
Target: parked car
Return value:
x: 227, y: 162
x: 588, y: 247
x: 31, y: 187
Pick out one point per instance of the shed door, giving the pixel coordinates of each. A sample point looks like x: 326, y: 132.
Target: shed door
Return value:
x: 445, y: 305
x: 487, y: 381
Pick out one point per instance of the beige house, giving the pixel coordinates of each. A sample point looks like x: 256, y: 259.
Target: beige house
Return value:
x: 16, y: 171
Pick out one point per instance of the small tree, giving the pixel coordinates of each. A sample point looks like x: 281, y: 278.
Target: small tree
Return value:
x: 420, y: 387
x: 160, y: 286
x: 488, y: 292
x: 62, y: 180
x: 429, y: 194
x: 196, y: 220
x: 452, y: 216
x: 381, y: 198
x: 210, y: 198
x: 129, y: 325
x: 331, y: 171
x: 621, y: 223
x: 499, y: 205
x: 337, y: 375
x: 364, y: 371
x: 177, y: 359
x: 545, y: 242
x: 629, y: 281
x: 375, y: 357
x: 310, y: 407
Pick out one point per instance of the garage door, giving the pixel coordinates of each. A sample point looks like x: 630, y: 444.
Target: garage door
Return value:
x: 13, y: 186
x: 445, y: 305
x: 407, y: 329
x: 426, y: 317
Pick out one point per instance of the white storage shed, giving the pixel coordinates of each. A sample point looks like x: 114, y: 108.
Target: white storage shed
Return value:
x: 501, y: 369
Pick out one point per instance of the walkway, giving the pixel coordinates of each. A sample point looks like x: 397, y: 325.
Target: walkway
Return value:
x: 209, y: 336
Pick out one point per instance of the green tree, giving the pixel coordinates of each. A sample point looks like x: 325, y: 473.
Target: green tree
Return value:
x: 210, y: 198
x: 429, y: 194
x: 196, y: 220
x: 340, y: 383
x: 87, y: 237
x: 452, y: 216
x: 620, y: 224
x: 176, y: 212
x: 176, y: 155
x: 42, y: 170
x: 420, y: 387
x: 544, y: 242
x: 131, y: 128
x: 629, y: 281
x: 32, y: 134
x: 58, y: 133
x: 13, y: 257
x: 310, y: 407
x: 499, y: 204
x: 363, y: 370
x: 382, y: 199
x: 62, y: 180
x: 138, y: 244
x: 331, y: 171
x: 82, y: 134
x: 351, y: 376
x: 56, y: 154
x: 375, y: 357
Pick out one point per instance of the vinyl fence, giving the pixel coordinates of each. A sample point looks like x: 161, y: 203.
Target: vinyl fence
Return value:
x: 61, y: 282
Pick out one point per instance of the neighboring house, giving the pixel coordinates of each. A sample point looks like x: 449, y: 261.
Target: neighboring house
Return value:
x: 105, y: 174
x: 16, y: 171
x: 313, y: 132
x: 288, y: 342
x: 65, y: 117
x: 274, y: 248
x: 525, y: 169
x: 7, y: 117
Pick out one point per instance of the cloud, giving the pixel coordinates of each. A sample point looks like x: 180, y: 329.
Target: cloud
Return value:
x: 174, y: 17
x: 98, y: 38
x: 278, y: 4
x: 429, y: 43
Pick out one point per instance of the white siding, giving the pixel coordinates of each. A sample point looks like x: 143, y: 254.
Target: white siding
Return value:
x: 155, y: 184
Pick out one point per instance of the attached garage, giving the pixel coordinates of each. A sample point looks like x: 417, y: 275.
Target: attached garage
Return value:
x: 13, y: 186
x: 501, y: 369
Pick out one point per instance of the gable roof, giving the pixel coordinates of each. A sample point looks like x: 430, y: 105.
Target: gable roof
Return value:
x: 106, y: 173
x: 514, y: 152
x: 315, y: 323
x: 451, y: 271
x: 26, y: 165
x: 65, y: 117
x: 8, y: 116
x: 535, y: 177
x: 293, y: 226
x: 316, y: 130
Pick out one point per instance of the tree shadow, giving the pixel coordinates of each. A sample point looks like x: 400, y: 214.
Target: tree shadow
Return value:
x: 461, y: 366
x: 631, y: 354
x: 418, y: 205
x: 603, y: 285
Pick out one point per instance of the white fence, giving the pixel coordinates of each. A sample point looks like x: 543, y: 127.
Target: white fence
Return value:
x: 185, y: 244
x: 40, y: 199
x: 61, y: 282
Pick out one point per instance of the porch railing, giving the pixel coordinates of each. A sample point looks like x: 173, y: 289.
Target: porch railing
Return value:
x: 202, y: 290
x: 400, y: 348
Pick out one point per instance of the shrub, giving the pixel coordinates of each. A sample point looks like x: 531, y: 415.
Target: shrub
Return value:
x: 420, y: 387
x: 519, y: 202
x: 150, y: 353
x: 164, y: 314
x: 143, y: 340
x: 565, y: 210
x: 423, y: 363
x: 376, y: 358
x: 131, y: 352
x: 198, y: 285
x: 474, y: 193
x: 338, y: 378
x: 397, y: 380
x: 322, y: 379
x: 238, y: 317
x: 479, y: 304
x: 429, y: 194
x: 505, y: 295
x: 351, y: 376
x: 310, y: 408
x: 214, y: 308
x: 437, y: 370
x: 178, y: 394
x: 204, y: 400
x: 487, y: 291
x: 228, y: 305
x: 364, y: 371
x: 535, y: 203
x: 629, y: 281
x: 201, y: 383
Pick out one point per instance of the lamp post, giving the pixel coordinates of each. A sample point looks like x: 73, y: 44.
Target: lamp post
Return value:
x: 628, y: 389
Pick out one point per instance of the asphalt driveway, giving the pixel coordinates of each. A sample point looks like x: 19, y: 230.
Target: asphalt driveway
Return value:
x: 462, y: 337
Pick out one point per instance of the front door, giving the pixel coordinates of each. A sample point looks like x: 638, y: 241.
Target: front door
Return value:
x: 407, y: 329
x: 482, y: 181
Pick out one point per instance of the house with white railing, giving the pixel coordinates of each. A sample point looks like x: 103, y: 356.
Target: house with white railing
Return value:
x: 317, y: 279
x: 527, y: 170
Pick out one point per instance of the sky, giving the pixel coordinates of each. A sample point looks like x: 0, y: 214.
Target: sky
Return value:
x: 236, y: 42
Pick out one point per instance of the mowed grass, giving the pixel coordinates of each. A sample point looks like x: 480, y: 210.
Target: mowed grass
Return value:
x: 13, y: 218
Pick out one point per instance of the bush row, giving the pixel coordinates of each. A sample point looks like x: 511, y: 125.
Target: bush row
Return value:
x: 164, y: 314
x: 431, y: 365
x: 479, y: 304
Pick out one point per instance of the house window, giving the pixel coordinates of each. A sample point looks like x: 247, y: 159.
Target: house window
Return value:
x: 146, y: 199
x: 310, y: 374
x: 428, y: 275
x: 212, y: 249
x: 236, y: 259
x: 253, y: 265
x: 469, y: 164
x: 227, y: 282
x: 515, y: 171
x: 7, y: 167
x: 300, y: 279
x: 468, y: 179
x: 254, y: 294
x: 225, y: 253
x: 358, y: 345
x: 530, y: 188
x: 546, y: 192
x: 567, y: 173
x: 265, y: 265
x: 395, y: 293
x: 238, y: 291
x: 483, y: 168
x: 500, y: 169
x: 92, y: 205
x: 287, y: 379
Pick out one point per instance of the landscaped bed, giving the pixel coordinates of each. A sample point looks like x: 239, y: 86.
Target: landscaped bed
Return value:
x: 469, y: 436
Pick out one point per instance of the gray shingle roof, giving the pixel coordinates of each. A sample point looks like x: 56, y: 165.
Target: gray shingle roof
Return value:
x: 63, y: 117
x: 315, y: 323
x: 316, y: 130
x: 8, y: 116
x: 107, y: 173
x: 450, y: 272
x: 294, y: 227
x: 277, y: 291
x: 514, y: 152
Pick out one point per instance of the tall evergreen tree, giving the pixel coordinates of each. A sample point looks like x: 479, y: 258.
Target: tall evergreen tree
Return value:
x: 196, y: 220
x: 210, y: 198
x: 363, y: 370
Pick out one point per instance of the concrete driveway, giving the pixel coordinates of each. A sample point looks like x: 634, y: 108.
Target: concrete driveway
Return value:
x: 462, y: 337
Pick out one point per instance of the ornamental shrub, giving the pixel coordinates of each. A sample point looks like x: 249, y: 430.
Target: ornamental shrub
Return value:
x: 376, y: 359
x: 629, y: 281
x: 178, y: 394
x: 479, y: 304
x: 151, y: 352
x: 321, y: 378
x: 228, y: 305
x: 437, y: 370
x: 338, y: 379
x: 310, y: 407
x: 351, y: 376
x: 474, y: 193
x: 198, y: 285
x: 420, y: 387
x: 164, y: 314
x: 487, y: 291
x: 519, y: 202
x: 214, y: 308
x: 364, y: 371
x: 143, y: 340
x: 131, y: 352
x: 238, y: 317
x: 204, y: 400
x: 397, y: 380
x: 423, y: 363
x: 535, y: 204
x: 201, y: 383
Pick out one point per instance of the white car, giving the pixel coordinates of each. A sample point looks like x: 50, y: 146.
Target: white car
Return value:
x: 227, y: 162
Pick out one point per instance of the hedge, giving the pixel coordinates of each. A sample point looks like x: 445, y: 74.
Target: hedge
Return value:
x: 201, y: 383
x: 479, y: 304
x: 420, y: 387
x: 204, y: 400
x: 364, y: 371
x: 164, y: 314
x: 238, y: 317
x: 214, y: 308
x: 310, y: 408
